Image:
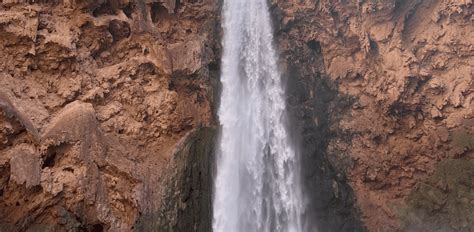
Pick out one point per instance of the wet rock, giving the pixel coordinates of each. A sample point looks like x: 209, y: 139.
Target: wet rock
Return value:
x: 411, y: 96
x: 187, y: 201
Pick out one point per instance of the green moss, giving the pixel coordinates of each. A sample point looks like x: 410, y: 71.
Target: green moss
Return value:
x: 445, y: 201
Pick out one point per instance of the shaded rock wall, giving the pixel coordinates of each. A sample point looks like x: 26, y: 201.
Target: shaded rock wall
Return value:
x: 386, y: 100
x: 313, y: 102
x: 187, y: 204
x: 330, y: 201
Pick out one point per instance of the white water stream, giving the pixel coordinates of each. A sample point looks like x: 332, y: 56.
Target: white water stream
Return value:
x: 257, y: 186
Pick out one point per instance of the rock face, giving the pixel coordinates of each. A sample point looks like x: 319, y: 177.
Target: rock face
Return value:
x: 95, y: 96
x: 187, y: 203
x: 384, y: 91
x: 107, y: 113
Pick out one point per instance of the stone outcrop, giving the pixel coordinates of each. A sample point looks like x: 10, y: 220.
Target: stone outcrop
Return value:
x: 107, y: 113
x: 95, y: 96
x: 385, y: 91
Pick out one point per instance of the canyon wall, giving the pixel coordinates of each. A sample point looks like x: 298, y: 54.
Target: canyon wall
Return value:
x: 381, y: 93
x: 108, y: 113
x: 103, y: 104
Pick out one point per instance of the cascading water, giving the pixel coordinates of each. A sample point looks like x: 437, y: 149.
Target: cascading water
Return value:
x: 257, y: 185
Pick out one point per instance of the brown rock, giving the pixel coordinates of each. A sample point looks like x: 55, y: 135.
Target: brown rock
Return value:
x: 95, y: 80
x: 25, y: 166
x: 408, y: 75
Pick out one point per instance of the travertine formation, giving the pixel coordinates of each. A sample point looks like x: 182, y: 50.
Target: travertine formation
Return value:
x: 401, y: 104
x: 106, y: 108
x: 95, y: 95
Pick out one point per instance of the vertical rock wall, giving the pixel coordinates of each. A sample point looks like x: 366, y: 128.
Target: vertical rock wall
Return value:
x: 96, y: 95
x: 187, y: 201
x: 385, y: 93
x: 94, y: 98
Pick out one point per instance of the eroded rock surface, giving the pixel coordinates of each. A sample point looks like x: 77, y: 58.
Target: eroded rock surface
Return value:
x: 94, y: 98
x: 390, y: 86
x: 105, y: 109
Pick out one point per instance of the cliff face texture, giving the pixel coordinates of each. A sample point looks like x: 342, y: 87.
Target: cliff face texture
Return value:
x: 107, y: 113
x: 383, y: 93
x: 98, y: 102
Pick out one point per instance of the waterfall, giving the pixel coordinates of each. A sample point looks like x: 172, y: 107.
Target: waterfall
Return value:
x: 257, y: 186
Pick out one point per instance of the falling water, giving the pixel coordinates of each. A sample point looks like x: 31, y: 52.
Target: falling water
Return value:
x: 257, y: 184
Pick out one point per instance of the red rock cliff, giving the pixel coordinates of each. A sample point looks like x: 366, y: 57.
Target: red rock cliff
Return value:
x: 390, y: 86
x: 95, y: 98
x: 107, y: 119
